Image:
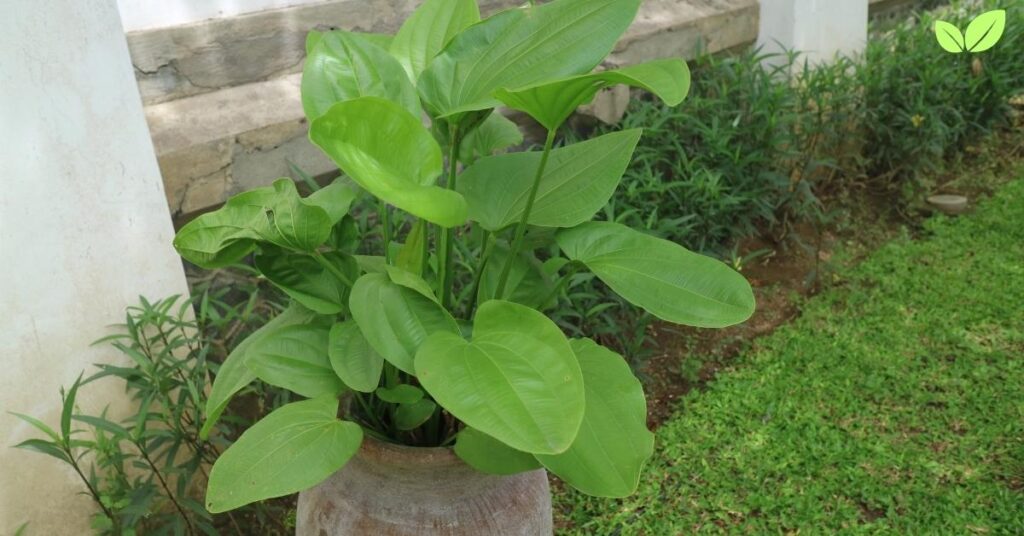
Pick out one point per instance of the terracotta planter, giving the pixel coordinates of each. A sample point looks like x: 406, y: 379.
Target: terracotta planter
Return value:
x: 391, y: 490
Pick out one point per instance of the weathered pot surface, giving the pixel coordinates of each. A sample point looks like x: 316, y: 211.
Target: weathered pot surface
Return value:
x: 393, y: 490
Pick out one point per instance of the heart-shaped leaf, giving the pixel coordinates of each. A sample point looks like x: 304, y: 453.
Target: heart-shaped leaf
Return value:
x: 664, y: 278
x: 396, y: 320
x: 495, y: 134
x: 613, y: 443
x: 428, y: 30
x: 306, y: 280
x: 345, y: 66
x: 985, y: 31
x: 400, y: 394
x: 295, y: 358
x: 561, y: 38
x: 488, y: 455
x: 527, y: 283
x: 411, y: 416
x: 387, y: 151
x: 291, y: 221
x: 233, y: 375
x: 949, y: 37
x: 578, y: 181
x: 552, y: 102
x: 293, y: 449
x: 517, y: 381
x: 352, y: 357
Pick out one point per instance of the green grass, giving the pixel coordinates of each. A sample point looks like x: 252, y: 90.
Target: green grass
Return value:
x: 894, y: 405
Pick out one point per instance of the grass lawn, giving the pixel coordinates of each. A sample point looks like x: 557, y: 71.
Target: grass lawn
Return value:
x: 895, y: 404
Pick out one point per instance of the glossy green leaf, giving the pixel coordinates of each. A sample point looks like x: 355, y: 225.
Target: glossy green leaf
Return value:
x: 949, y: 37
x: 396, y: 320
x: 220, y: 238
x: 409, y: 280
x: 233, y: 375
x: 428, y: 30
x: 295, y: 358
x: 400, y: 394
x: 527, y: 283
x: 387, y: 151
x: 335, y: 198
x: 664, y: 278
x: 577, y: 183
x: 985, y: 31
x: 352, y: 357
x: 411, y: 256
x: 517, y: 381
x: 552, y: 102
x: 494, y: 135
x: 410, y: 416
x: 307, y: 281
x: 289, y: 220
x: 613, y: 443
x: 556, y: 39
x: 293, y: 449
x: 488, y: 455
x: 345, y: 66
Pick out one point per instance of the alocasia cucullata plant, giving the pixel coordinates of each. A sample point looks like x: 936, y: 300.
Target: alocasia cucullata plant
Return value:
x: 443, y: 339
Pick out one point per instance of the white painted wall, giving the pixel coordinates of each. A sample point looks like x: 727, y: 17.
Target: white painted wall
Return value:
x: 820, y: 29
x: 84, y: 230
x: 147, y: 14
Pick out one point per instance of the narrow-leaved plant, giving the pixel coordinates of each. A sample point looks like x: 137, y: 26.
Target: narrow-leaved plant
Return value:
x: 443, y: 338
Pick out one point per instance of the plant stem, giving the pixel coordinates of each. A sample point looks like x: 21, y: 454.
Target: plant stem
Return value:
x: 447, y: 235
x: 485, y: 253
x: 331, y: 268
x: 92, y: 491
x: 517, y: 241
x: 167, y: 489
x: 385, y: 230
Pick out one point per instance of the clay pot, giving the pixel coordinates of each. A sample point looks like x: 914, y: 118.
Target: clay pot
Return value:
x: 392, y: 490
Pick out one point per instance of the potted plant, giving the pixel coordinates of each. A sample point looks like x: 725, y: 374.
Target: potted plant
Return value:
x: 436, y: 391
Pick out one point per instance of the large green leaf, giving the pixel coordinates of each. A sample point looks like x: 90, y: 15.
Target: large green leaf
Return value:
x: 519, y: 47
x: 410, y: 416
x: 306, y: 280
x: 335, y: 198
x: 295, y: 358
x: 664, y: 278
x: 382, y: 40
x: 577, y: 183
x: 293, y: 449
x: 233, y: 375
x: 222, y: 237
x: 495, y: 134
x: 551, y: 103
x: 613, y: 443
x: 387, y: 151
x: 488, y: 455
x: 345, y: 66
x: 353, y: 359
x: 517, y: 381
x: 396, y: 320
x: 428, y: 30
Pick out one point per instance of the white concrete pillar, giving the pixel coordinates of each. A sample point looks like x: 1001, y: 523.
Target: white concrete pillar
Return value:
x: 84, y: 230
x: 820, y: 29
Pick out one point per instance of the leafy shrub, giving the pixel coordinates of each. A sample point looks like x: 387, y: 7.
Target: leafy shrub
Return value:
x: 145, y: 471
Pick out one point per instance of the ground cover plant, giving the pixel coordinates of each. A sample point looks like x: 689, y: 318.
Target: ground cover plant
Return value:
x: 418, y: 359
x: 892, y: 405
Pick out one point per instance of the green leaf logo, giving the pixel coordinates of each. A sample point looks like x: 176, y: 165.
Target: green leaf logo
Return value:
x: 982, y: 33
